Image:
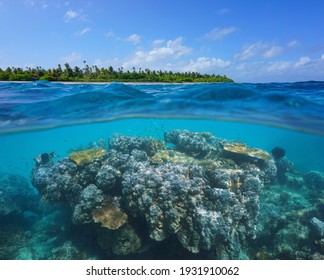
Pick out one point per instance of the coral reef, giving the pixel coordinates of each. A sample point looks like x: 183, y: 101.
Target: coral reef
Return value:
x: 196, y: 144
x: 106, y: 177
x: 285, y: 168
x: 241, y: 150
x: 315, y: 180
x: 12, y: 239
x: 16, y: 195
x: 191, y: 196
x: 67, y: 252
x: 126, y: 144
x: 208, y: 197
x: 109, y: 215
x: 176, y: 199
x: 126, y: 241
x: 318, y: 226
x: 91, y: 198
x: 192, y: 191
x: 288, y: 228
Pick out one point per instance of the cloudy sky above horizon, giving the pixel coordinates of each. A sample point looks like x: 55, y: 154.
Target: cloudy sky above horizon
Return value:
x: 249, y: 41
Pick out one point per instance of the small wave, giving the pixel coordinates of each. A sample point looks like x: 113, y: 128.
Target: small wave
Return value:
x: 35, y: 105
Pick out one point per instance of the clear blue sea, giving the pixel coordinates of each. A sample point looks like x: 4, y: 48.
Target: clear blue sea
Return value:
x: 41, y: 117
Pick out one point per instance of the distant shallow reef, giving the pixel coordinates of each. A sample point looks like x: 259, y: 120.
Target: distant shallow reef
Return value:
x: 189, y: 196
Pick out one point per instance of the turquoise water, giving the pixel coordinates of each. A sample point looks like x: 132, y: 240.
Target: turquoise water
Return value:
x: 40, y: 118
x: 19, y: 149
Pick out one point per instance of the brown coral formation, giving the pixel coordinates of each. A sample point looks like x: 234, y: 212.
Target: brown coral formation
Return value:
x: 86, y: 156
x: 245, y: 151
x: 110, y: 216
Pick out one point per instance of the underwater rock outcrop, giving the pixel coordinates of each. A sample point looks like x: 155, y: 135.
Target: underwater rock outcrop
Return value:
x: 193, y: 192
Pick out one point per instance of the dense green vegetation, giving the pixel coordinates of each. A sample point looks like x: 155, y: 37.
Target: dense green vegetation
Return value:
x: 95, y: 74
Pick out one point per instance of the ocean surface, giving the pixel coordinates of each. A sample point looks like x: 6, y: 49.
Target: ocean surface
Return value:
x: 51, y: 120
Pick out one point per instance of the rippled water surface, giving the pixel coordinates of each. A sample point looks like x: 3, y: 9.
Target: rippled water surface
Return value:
x: 297, y: 106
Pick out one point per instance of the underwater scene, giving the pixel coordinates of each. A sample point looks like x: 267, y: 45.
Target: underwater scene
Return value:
x: 161, y: 171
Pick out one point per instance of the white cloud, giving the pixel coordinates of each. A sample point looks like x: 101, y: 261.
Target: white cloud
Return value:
x: 301, y: 69
x: 83, y: 31
x: 73, y: 57
x: 259, y: 49
x: 248, y: 51
x: 302, y: 61
x: 173, y: 50
x: 74, y: 15
x: 69, y: 15
x: 134, y: 38
x: 219, y: 33
x: 157, y: 42
x: 293, y: 43
x: 279, y: 66
x: 322, y: 57
x: 115, y: 62
x: 204, y: 64
x: 272, y: 52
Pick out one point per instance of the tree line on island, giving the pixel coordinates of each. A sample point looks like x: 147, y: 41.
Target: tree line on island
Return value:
x: 96, y: 74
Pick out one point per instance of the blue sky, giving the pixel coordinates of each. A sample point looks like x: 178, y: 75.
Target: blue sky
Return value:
x: 249, y: 41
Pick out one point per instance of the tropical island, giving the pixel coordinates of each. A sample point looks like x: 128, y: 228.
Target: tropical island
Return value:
x: 96, y: 74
